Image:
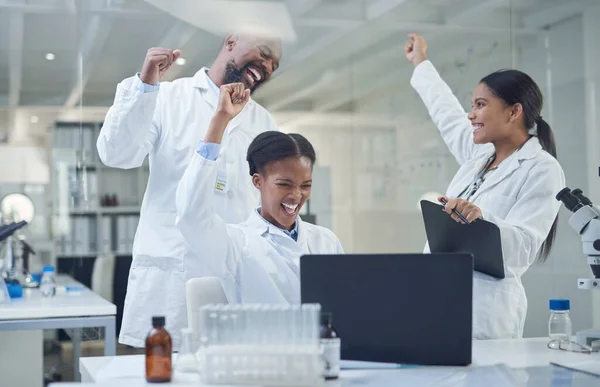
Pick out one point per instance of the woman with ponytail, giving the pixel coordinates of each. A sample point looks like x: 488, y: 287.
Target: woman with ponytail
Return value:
x: 508, y: 175
x: 257, y: 260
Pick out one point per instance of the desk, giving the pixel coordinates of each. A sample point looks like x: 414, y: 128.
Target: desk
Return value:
x: 82, y: 309
x: 528, y: 360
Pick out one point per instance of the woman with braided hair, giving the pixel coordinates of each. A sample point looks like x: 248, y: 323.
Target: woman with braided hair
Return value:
x: 257, y: 260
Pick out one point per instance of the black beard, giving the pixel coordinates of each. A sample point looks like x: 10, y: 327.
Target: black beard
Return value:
x: 236, y: 75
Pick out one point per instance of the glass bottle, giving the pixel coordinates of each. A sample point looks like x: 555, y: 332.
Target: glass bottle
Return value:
x: 158, y: 352
x: 330, y: 343
x: 559, y: 324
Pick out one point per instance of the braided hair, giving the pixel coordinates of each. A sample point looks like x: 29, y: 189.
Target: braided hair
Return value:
x: 273, y: 146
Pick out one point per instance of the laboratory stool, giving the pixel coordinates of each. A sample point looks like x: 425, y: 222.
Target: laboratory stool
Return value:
x: 103, y: 276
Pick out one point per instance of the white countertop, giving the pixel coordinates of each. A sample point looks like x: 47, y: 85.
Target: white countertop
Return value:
x: 516, y: 354
x: 64, y: 304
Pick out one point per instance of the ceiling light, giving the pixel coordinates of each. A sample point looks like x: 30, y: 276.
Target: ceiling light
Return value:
x: 180, y: 61
x: 35, y: 119
x: 50, y: 56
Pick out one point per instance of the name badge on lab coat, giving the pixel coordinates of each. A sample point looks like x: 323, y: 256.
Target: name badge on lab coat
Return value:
x: 221, y: 184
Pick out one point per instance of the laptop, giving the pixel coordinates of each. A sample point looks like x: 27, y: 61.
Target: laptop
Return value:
x: 395, y: 308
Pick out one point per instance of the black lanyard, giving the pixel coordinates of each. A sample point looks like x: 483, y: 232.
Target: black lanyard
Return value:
x: 478, y: 180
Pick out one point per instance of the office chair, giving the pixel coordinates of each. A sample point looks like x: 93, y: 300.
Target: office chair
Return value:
x: 200, y: 292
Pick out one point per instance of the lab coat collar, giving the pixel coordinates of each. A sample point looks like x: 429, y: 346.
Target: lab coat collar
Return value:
x: 529, y: 151
x: 200, y: 81
x: 258, y: 222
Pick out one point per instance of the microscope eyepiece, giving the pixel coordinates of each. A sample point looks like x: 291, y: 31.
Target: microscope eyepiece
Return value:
x: 579, y: 195
x: 571, y: 202
x: 9, y: 229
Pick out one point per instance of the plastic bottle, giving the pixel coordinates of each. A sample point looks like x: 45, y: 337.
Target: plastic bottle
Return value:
x: 48, y: 283
x: 158, y: 352
x: 330, y: 342
x: 559, y: 325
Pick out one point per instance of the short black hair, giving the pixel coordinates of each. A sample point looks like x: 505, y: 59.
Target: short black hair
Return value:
x: 274, y: 146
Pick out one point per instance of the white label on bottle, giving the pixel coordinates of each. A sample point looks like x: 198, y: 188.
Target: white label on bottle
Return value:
x: 331, y: 357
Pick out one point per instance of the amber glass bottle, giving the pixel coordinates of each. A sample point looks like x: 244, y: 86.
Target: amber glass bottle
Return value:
x: 158, y: 352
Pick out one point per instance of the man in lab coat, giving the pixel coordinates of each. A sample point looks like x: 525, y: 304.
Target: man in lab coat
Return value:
x: 165, y: 121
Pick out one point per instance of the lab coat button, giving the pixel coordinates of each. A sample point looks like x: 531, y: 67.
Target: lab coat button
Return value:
x: 230, y: 193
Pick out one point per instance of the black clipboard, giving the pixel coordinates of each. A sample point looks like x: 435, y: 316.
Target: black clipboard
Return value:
x: 480, y: 238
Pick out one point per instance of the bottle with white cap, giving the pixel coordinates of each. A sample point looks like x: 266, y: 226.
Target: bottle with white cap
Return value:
x: 48, y: 283
x: 559, y: 325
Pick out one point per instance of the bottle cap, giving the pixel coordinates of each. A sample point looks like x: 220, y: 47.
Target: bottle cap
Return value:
x: 48, y: 269
x: 560, y: 305
x: 158, y: 321
x: 326, y: 318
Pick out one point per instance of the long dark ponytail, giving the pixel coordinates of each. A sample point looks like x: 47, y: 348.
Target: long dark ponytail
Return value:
x: 514, y: 86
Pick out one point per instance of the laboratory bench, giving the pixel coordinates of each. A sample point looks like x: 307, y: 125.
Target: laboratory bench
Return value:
x: 23, y: 320
x: 496, y: 363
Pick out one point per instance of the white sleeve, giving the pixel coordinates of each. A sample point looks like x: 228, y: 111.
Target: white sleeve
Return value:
x: 218, y: 245
x: 131, y: 127
x: 338, y: 248
x: 528, y: 222
x: 445, y: 110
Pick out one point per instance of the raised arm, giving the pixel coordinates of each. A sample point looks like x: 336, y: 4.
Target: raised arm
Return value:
x: 210, y: 238
x: 444, y: 108
x: 132, y: 125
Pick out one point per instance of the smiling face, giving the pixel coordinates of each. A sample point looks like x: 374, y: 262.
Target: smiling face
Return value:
x: 251, y: 60
x: 492, y: 119
x: 284, y: 186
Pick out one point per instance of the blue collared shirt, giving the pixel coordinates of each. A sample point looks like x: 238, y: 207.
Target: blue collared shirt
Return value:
x: 292, y: 234
x: 210, y: 151
x: 146, y: 88
x: 212, y: 85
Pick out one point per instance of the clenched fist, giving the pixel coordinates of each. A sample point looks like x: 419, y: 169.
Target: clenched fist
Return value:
x: 232, y: 99
x: 415, y: 49
x: 157, y: 62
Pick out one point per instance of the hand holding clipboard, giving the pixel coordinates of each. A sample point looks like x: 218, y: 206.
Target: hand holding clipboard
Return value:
x: 460, y: 210
x: 450, y: 235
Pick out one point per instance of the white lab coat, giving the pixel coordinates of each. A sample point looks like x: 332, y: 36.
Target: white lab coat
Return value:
x: 167, y: 125
x: 256, y: 261
x: 519, y: 197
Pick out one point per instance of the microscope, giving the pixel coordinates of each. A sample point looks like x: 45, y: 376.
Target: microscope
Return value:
x: 11, y: 272
x: 586, y: 222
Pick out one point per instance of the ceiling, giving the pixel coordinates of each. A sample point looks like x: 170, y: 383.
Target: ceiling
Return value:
x: 343, y: 51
